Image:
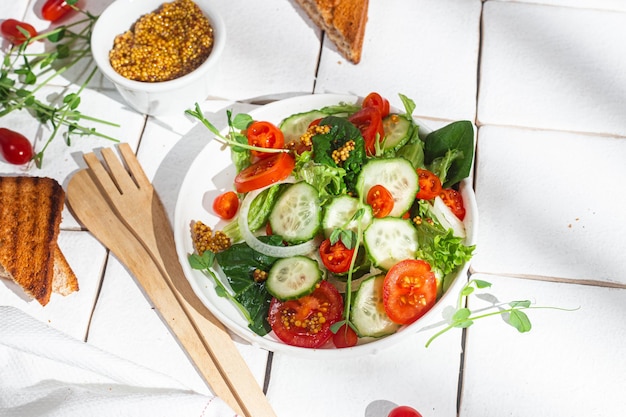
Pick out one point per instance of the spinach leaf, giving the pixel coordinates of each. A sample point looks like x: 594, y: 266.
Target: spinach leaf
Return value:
x: 457, y: 136
x: 341, y: 132
x: 238, y: 264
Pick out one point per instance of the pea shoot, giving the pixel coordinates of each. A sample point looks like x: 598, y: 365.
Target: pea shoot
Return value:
x: 24, y: 73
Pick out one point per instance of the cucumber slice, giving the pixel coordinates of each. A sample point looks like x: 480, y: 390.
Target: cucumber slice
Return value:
x: 398, y: 130
x: 395, y: 174
x: 339, y: 212
x: 390, y: 240
x: 368, y: 312
x: 297, y: 216
x: 291, y: 278
x: 295, y: 125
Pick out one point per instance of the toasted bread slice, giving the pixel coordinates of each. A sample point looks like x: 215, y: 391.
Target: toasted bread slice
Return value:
x: 30, y: 215
x: 64, y: 280
x: 343, y: 21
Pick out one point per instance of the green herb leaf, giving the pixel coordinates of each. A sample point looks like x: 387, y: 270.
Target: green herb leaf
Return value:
x: 519, y: 320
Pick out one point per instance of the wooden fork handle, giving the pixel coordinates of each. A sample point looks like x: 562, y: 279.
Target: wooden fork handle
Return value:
x: 94, y: 212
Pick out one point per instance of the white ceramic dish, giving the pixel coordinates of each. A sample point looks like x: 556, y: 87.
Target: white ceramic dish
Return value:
x: 212, y: 173
x: 158, y: 98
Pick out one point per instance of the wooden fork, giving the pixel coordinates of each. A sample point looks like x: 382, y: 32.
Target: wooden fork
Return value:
x: 133, y: 198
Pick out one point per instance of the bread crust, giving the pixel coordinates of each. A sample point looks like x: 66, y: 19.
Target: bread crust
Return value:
x: 30, y: 217
x: 343, y: 21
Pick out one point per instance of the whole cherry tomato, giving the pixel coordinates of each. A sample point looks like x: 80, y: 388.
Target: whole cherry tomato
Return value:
x: 381, y: 201
x: 264, y: 135
x: 54, y: 10
x: 377, y: 101
x: 15, y: 148
x: 430, y: 185
x: 11, y: 33
x: 404, y: 411
x: 226, y: 205
x: 345, y: 337
x: 454, y: 201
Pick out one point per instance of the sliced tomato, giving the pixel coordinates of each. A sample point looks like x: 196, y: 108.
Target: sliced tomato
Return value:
x: 265, y: 172
x: 370, y: 123
x: 377, y: 101
x: 226, y: 205
x: 264, y: 135
x: 315, y: 122
x: 345, y: 337
x: 409, y: 290
x: 336, y: 258
x: 306, y: 322
x: 430, y: 184
x: 454, y: 201
x: 381, y: 201
x: 10, y: 31
x: 54, y: 10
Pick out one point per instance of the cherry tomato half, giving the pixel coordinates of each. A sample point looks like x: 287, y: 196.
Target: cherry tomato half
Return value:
x: 264, y: 135
x: 310, y: 332
x: 336, y: 258
x: 54, y: 10
x: 14, y: 147
x: 345, y: 337
x: 381, y: 201
x: 409, y: 290
x: 377, y: 101
x: 265, y: 172
x: 226, y: 205
x: 454, y: 201
x: 10, y: 31
x: 404, y: 411
x: 370, y: 123
x: 430, y: 185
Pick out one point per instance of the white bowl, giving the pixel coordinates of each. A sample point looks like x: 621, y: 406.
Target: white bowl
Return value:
x: 157, y: 98
x: 212, y: 172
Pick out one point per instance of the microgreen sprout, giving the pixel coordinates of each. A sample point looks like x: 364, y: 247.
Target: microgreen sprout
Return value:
x: 23, y: 74
x: 236, y: 140
x: 351, y: 240
x: 205, y: 263
x: 512, y: 312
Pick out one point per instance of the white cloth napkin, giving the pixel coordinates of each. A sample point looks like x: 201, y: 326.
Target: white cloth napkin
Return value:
x: 44, y: 372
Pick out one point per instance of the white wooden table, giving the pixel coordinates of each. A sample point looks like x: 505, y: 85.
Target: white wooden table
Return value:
x: 544, y: 81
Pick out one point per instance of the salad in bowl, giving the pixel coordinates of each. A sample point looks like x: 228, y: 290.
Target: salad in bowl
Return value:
x: 327, y: 223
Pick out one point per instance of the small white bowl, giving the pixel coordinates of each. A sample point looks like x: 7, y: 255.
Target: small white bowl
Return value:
x: 154, y: 98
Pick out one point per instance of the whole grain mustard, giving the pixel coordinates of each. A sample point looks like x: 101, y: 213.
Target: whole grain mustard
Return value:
x: 163, y: 45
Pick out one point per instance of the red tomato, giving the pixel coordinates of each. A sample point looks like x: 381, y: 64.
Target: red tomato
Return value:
x: 404, y: 411
x: 345, y: 337
x: 381, y: 201
x: 370, y: 123
x: 409, y: 290
x: 264, y: 135
x: 454, y: 201
x: 315, y: 122
x: 265, y: 172
x: 377, y: 101
x: 11, y: 33
x: 15, y: 148
x: 297, y: 322
x: 54, y: 10
x: 226, y: 205
x: 336, y: 258
x: 430, y: 185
